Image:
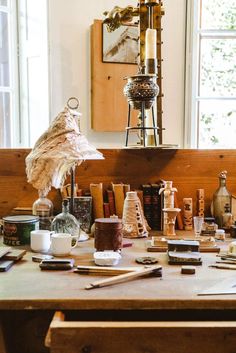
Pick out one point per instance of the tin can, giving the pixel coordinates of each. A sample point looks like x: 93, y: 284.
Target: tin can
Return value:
x: 16, y: 229
x: 108, y: 234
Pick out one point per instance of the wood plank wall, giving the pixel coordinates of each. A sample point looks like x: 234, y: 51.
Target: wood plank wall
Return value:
x: 189, y: 170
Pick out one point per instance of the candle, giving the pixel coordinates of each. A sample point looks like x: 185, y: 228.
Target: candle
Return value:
x: 151, y: 44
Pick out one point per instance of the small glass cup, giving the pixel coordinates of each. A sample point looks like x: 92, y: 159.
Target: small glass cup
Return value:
x: 197, y: 223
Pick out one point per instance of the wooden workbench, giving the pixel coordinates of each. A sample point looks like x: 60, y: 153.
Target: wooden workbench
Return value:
x: 29, y: 296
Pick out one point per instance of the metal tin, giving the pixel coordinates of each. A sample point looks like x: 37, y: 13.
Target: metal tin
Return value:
x: 16, y: 229
x: 108, y: 234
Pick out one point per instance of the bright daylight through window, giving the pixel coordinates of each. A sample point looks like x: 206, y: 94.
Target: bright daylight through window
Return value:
x: 24, y: 107
x: 213, y: 74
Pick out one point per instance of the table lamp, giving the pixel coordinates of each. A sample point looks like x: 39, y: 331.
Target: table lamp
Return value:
x: 58, y: 151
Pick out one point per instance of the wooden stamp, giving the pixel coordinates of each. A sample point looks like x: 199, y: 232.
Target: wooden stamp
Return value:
x: 188, y: 213
x: 188, y: 270
x: 200, y: 202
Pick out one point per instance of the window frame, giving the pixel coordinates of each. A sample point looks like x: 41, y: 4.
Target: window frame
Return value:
x: 194, y: 35
x: 12, y: 88
x: 28, y: 116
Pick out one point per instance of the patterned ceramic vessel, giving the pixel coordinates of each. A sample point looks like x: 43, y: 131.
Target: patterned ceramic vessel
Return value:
x: 141, y: 88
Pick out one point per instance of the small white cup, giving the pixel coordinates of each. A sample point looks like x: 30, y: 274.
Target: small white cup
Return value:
x: 61, y: 243
x: 40, y: 240
x: 232, y: 247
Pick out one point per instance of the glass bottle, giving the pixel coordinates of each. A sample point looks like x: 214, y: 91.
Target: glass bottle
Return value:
x: 221, y: 197
x: 65, y: 222
x: 227, y: 218
x: 43, y: 208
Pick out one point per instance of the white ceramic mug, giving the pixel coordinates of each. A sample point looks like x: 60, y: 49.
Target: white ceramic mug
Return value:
x: 61, y: 243
x: 232, y: 247
x: 40, y: 240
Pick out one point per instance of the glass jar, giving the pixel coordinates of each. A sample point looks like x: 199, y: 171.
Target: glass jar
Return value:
x: 43, y: 208
x: 221, y: 197
x: 65, y: 222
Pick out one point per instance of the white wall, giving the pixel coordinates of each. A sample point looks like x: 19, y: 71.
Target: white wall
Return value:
x: 69, y: 40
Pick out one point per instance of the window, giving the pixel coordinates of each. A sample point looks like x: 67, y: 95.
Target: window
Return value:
x: 7, y: 71
x: 24, y: 88
x: 211, y: 74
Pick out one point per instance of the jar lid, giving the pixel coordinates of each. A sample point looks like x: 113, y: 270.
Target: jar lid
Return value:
x: 21, y: 219
x: 108, y: 220
x: 220, y: 231
x: 108, y: 223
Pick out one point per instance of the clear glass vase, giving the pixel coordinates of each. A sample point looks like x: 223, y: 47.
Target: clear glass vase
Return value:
x: 43, y: 208
x: 65, y: 222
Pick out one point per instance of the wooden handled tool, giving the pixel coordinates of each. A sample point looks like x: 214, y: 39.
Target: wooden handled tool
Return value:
x: 105, y: 271
x: 224, y: 266
x: 124, y: 277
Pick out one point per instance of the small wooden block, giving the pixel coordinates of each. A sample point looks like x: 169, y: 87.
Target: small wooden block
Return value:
x: 188, y: 270
x: 14, y: 255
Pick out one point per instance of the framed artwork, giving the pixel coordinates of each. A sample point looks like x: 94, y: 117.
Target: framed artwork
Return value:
x: 120, y: 46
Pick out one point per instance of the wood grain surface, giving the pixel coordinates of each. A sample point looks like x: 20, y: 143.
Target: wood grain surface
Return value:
x: 25, y: 286
x: 109, y: 105
x: 188, y: 169
x: 143, y: 337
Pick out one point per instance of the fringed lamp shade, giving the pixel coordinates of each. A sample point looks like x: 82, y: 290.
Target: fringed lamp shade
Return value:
x: 58, y: 151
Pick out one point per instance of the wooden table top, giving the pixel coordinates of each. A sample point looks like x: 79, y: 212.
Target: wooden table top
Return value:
x: 25, y: 286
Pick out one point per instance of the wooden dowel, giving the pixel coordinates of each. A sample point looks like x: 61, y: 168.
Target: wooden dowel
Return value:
x: 224, y: 267
x: 124, y: 277
x: 105, y: 271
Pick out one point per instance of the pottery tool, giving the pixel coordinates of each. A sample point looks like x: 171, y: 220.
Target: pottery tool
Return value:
x: 183, y: 252
x: 5, y: 265
x: 223, y: 287
x: 104, y: 270
x: 224, y: 266
x: 125, y: 277
x: 230, y: 262
x: 4, y: 250
x: 230, y: 257
x: 14, y: 255
x: 206, y: 244
x: 184, y: 258
x: 188, y: 270
x: 146, y: 260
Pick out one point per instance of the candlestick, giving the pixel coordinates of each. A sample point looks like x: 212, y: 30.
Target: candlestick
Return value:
x: 151, y: 44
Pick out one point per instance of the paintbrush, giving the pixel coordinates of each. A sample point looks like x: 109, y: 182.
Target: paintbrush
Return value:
x: 229, y: 262
x: 105, y: 271
x: 124, y: 277
x: 224, y: 267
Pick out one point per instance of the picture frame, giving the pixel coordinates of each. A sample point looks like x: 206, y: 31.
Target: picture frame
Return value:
x: 120, y: 46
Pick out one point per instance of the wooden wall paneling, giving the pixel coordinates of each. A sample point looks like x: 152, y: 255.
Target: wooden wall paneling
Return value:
x: 188, y: 169
x: 109, y: 105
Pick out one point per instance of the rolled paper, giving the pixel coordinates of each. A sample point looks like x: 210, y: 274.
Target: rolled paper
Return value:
x: 151, y: 44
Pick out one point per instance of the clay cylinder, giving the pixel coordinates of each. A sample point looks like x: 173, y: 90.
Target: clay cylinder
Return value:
x: 108, y: 234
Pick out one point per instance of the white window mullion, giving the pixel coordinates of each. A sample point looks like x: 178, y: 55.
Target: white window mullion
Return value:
x: 212, y: 106
x: 34, y: 82
x: 14, y: 75
x: 191, y: 85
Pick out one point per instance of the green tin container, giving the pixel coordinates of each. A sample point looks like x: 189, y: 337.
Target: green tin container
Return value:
x: 16, y: 229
